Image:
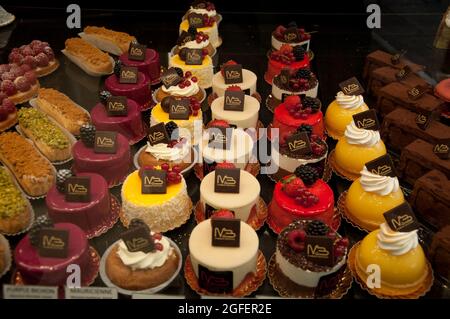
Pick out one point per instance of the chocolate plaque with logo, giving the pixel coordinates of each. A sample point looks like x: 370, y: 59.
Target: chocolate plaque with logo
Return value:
x: 441, y: 149
x: 194, y: 56
x: 170, y: 77
x: 105, y: 142
x: 298, y: 144
x: 319, y: 250
x: 136, y: 52
x: 215, y: 281
x: 416, y: 92
x: 401, y: 218
x: 220, y: 137
x: 153, y: 181
x: 351, y: 87
x: 291, y: 35
x: 382, y: 166
x: 128, y: 75
x: 227, y: 180
x: 234, y: 101
x: 423, y: 119
x: 78, y: 189
x: 195, y: 20
x: 233, y: 73
x: 157, y: 134
x: 53, y: 243
x: 403, y: 73
x: 117, y: 106
x: 226, y: 232
x: 138, y: 239
x: 367, y: 120
x: 179, y: 109
x: 285, y: 76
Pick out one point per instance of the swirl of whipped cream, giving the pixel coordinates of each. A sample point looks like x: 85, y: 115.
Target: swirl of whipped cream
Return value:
x: 141, y: 260
x: 381, y: 185
x: 349, y: 102
x: 195, y: 45
x: 175, y: 90
x: 163, y: 152
x: 397, y: 243
x: 211, y: 13
x: 357, y: 136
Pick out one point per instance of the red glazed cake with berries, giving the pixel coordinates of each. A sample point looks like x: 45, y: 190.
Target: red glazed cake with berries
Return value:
x: 290, y: 34
x: 8, y: 113
x: 301, y: 195
x: 185, y: 85
x: 140, y: 92
x: 18, y: 82
x: 294, y: 112
x: 113, y: 167
x: 292, y: 256
x: 150, y: 66
x: 130, y: 125
x: 287, y: 57
x: 37, y: 55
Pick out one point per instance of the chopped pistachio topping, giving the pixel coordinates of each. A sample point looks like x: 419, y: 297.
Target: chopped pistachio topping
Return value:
x: 11, y: 199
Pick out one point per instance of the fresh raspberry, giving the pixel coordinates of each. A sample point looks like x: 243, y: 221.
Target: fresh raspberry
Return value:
x: 293, y: 100
x: 31, y: 61
x: 3, y: 113
x: 223, y: 213
x: 31, y: 77
x: 165, y: 167
x: 194, y: 79
x: 8, y: 87
x: 8, y: 76
x: 25, y: 68
x: 17, y: 71
x: 157, y: 236
x: 3, y: 96
x: 15, y: 58
x: 27, y: 51
x: 296, y: 240
x: 4, y: 68
x: 176, y: 169
x: 22, y: 84
x: 306, y: 198
x: 49, y: 53
x: 9, y: 105
x: 159, y: 246
x: 42, y: 60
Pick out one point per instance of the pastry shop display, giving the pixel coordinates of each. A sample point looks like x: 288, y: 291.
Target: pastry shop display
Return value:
x: 300, y: 148
x: 398, y: 95
x: 340, y: 113
x: 8, y: 113
x: 404, y: 269
x: 89, y: 58
x: 15, y: 211
x: 37, y: 56
x: 302, y: 195
x: 18, y: 82
x: 62, y: 109
x: 107, y: 40
x: 296, y: 111
x: 39, y: 263
x: 145, y: 59
x: 431, y: 199
x: 440, y: 253
x: 232, y: 264
x: 81, y: 199
x: 103, y: 152
x: 120, y: 114
x: 400, y: 128
x: 49, y: 138
x: 386, y: 75
x: 33, y: 172
x: 178, y: 84
x: 290, y: 57
x: 232, y: 73
x: 371, y: 195
x: 196, y: 61
x: 148, y: 267
x: 185, y: 113
x: 130, y: 82
x: 292, y: 35
x: 203, y: 16
x: 158, y: 196
x: 237, y: 108
x: 418, y: 158
x: 297, y: 261
x: 193, y: 39
x: 291, y: 82
x: 5, y: 254
x: 361, y: 143
x: 379, y: 58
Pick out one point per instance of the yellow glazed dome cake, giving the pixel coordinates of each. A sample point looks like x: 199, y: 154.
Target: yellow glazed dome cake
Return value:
x: 339, y: 113
x: 161, y: 212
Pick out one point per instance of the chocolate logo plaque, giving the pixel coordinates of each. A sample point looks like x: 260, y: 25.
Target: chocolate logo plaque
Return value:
x: 219, y: 137
x: 195, y: 20
x: 227, y: 180
x: 234, y: 101
x: 117, y: 106
x: 194, y: 57
x: 170, y: 78
x: 416, y: 92
x: 319, y: 249
x: 401, y: 218
x: 105, y: 142
x: 226, y: 232
x: 367, y: 120
x: 351, y: 87
x: 403, y: 73
x: 291, y: 35
x: 153, y: 182
x: 285, y: 76
x: 138, y: 239
x: 382, y: 166
x: 136, y: 52
x: 299, y: 144
x: 441, y: 149
x: 423, y: 119
x: 78, y: 189
x: 215, y: 281
x: 53, y: 243
x: 128, y: 75
x: 157, y: 134
x: 233, y: 74
x: 179, y: 109
x: 395, y: 59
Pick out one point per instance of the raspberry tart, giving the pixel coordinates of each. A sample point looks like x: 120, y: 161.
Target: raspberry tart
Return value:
x: 248, y: 84
x: 107, y: 40
x: 37, y: 55
x: 186, y: 85
x: 301, y: 195
x: 290, y: 34
x: 292, y: 57
x: 18, y: 82
x: 8, y: 113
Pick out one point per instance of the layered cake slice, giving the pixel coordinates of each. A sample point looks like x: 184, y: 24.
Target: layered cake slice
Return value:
x: 222, y: 80
x: 291, y: 57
